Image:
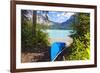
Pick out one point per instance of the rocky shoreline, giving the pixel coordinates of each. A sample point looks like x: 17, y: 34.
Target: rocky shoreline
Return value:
x: 68, y: 40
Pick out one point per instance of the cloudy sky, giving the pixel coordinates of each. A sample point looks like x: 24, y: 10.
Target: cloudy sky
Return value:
x: 54, y: 16
x: 59, y: 16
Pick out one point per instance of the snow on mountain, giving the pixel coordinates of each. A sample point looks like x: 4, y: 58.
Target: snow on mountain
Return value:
x: 54, y: 25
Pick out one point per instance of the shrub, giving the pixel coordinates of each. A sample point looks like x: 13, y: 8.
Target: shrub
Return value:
x: 31, y: 43
x: 80, y: 49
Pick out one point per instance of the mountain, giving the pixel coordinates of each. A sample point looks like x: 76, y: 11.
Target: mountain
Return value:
x: 64, y: 25
x: 54, y: 25
x: 43, y: 20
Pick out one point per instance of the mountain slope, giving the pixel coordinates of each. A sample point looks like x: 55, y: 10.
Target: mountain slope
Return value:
x: 54, y: 25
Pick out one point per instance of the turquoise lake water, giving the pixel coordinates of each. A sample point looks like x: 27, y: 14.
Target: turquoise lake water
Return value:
x: 59, y: 33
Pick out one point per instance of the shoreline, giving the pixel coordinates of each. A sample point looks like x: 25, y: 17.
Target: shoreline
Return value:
x: 68, y: 40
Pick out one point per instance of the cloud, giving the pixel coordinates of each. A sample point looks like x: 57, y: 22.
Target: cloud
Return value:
x: 67, y: 14
x: 60, y: 16
x: 64, y: 15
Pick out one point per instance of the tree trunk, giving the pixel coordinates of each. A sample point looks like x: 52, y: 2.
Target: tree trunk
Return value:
x: 34, y: 23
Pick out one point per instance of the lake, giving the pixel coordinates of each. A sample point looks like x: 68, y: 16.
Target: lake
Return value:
x: 59, y: 33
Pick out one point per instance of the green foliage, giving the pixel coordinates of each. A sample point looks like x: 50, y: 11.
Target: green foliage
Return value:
x: 80, y: 49
x: 42, y: 26
x: 26, y: 35
x: 41, y: 39
x: 37, y: 42
x: 83, y: 24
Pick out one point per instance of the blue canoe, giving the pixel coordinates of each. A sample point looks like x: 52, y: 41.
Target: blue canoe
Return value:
x: 56, y: 49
